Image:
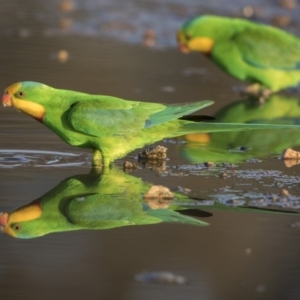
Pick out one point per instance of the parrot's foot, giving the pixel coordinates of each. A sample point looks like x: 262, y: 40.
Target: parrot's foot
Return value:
x: 258, y: 91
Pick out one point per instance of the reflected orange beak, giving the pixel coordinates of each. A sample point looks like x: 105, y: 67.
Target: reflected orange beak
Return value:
x: 7, y: 99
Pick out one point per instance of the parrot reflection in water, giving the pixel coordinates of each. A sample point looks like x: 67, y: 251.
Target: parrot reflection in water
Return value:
x: 97, y: 201
x: 109, y: 200
x: 257, y: 53
x: 110, y: 126
x: 239, y: 146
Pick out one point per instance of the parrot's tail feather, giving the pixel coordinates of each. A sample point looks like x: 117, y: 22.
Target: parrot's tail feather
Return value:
x: 222, y: 127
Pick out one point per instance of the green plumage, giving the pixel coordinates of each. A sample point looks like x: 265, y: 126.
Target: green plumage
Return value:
x: 111, y: 127
x: 105, y: 201
x: 98, y: 201
x: 278, y: 109
x: 248, y: 51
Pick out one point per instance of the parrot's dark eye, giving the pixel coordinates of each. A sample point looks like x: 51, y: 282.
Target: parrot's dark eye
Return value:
x: 187, y: 37
x: 21, y: 94
x: 17, y: 227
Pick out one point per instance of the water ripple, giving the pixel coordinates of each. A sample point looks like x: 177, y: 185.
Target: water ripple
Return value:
x: 12, y: 158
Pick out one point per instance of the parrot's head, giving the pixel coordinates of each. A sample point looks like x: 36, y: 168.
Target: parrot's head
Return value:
x: 19, y: 223
x: 28, y: 97
x: 201, y: 33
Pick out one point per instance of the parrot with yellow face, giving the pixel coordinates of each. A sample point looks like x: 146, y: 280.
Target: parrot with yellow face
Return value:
x: 110, y: 126
x: 257, y: 53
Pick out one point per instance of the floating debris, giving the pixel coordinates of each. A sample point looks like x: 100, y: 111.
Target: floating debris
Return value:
x: 168, y: 89
x: 223, y: 175
x: 290, y: 154
x: 159, y: 191
x: 65, y: 23
x: 208, y: 164
x: 149, y: 38
x: 290, y: 157
x: 129, y: 166
x: 248, y: 251
x: 66, y: 5
x: 248, y: 11
x: 63, y: 56
x: 160, y: 278
x: 183, y: 190
x: 284, y: 193
x: 158, y: 152
x: 281, y: 21
x: 288, y: 4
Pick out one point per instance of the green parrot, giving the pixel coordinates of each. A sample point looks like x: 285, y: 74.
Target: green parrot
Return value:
x: 97, y: 201
x: 107, y: 200
x: 215, y: 147
x: 110, y: 126
x: 257, y: 53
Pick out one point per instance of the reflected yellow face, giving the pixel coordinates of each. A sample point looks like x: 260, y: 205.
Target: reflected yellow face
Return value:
x: 187, y: 44
x: 15, y: 96
x: 11, y: 223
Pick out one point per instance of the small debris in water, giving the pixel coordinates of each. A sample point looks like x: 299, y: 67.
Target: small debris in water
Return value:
x: 65, y: 23
x: 290, y: 154
x: 248, y: 251
x: 208, y: 164
x: 248, y: 11
x: 161, y: 278
x: 281, y: 21
x: 159, y: 191
x: 288, y: 4
x: 129, y: 166
x: 62, y: 56
x: 223, y: 175
x: 158, y: 152
x: 149, y: 38
x: 284, y: 193
x: 66, y: 5
x: 168, y: 89
x: 183, y: 190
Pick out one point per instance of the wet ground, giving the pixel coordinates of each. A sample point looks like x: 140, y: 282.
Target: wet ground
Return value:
x: 243, y: 254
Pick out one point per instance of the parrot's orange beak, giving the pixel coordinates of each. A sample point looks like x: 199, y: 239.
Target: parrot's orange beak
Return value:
x: 3, y: 221
x: 183, y: 48
x: 7, y: 99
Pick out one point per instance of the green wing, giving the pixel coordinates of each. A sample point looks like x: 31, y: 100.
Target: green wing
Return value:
x: 268, y: 48
x: 113, y: 116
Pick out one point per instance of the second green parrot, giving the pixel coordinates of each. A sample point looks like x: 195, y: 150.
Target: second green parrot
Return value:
x: 246, y: 50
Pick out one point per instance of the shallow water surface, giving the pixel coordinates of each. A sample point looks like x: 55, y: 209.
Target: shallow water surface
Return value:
x: 243, y: 254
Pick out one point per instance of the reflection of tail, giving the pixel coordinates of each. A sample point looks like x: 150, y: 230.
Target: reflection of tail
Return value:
x: 170, y: 216
x: 219, y: 127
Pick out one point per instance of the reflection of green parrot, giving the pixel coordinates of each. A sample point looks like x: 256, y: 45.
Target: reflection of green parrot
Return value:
x: 110, y: 126
x: 94, y: 201
x: 278, y: 109
x: 105, y: 201
x: 247, y: 51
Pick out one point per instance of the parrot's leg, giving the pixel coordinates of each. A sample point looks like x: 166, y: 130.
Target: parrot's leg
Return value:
x: 258, y: 91
x: 97, y: 158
